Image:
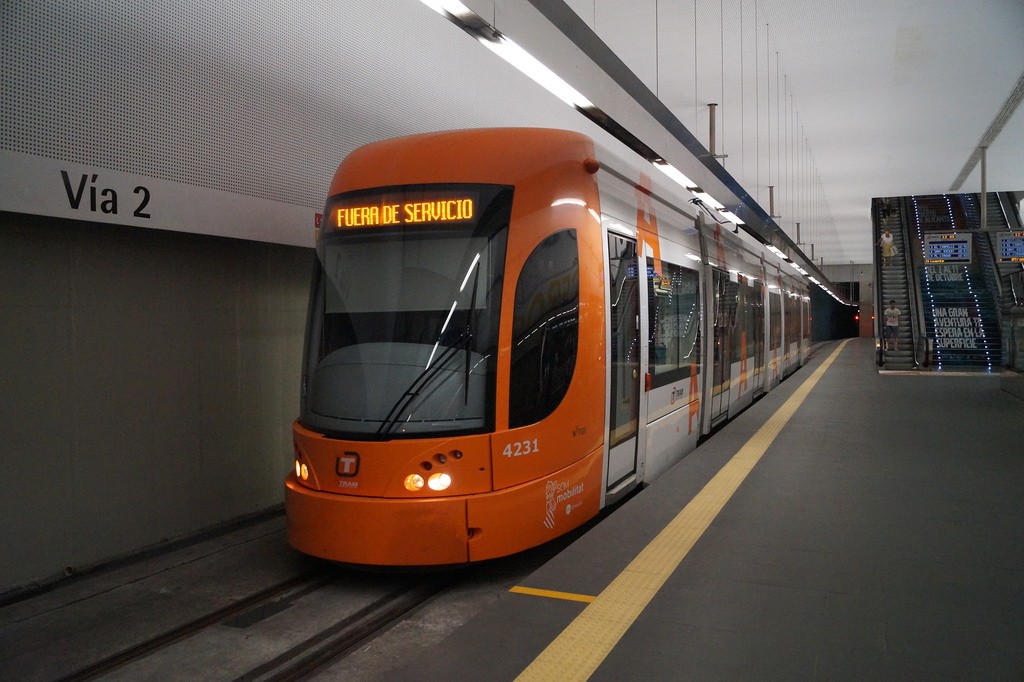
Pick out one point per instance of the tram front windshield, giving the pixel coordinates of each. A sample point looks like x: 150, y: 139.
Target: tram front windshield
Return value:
x: 404, y: 315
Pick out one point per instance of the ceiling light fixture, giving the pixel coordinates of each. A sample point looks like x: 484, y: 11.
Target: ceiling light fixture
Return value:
x: 707, y: 199
x: 528, y: 64
x: 508, y: 50
x: 449, y: 7
x: 674, y: 173
x: 732, y: 217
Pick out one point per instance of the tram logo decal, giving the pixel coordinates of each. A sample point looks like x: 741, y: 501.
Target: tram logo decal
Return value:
x: 555, y: 494
x: 347, y: 465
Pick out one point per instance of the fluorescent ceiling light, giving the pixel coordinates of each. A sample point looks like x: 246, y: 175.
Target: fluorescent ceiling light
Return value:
x: 732, y: 217
x: 542, y: 75
x: 674, y: 173
x: 709, y: 200
x: 508, y: 50
x: 452, y: 7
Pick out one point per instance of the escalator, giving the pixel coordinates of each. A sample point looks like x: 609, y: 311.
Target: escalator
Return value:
x: 960, y: 311
x: 894, y: 286
x: 958, y: 299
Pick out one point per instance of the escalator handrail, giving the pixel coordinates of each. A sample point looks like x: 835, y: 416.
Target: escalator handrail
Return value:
x: 913, y: 263
x: 877, y: 221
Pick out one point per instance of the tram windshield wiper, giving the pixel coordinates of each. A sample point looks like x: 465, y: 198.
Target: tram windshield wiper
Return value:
x: 469, y: 335
x: 423, y: 379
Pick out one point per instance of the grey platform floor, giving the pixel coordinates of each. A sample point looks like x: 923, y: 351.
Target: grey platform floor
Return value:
x: 880, y: 537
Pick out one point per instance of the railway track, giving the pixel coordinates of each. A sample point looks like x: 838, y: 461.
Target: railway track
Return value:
x: 330, y: 644
x: 242, y: 606
x: 294, y: 658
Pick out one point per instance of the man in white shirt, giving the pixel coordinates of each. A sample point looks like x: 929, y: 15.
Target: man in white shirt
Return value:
x: 892, y: 326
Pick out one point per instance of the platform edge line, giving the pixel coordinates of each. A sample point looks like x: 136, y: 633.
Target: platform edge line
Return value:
x: 584, y: 644
x: 552, y: 594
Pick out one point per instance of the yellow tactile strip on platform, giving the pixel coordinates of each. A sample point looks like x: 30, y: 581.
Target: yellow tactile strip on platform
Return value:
x: 577, y: 652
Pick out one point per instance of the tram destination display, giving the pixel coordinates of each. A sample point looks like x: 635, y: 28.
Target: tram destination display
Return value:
x: 458, y: 209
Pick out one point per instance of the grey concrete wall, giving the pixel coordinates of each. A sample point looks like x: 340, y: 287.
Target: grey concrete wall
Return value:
x: 148, y: 383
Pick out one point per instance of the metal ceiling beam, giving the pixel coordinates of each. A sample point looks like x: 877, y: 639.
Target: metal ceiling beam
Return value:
x: 996, y: 127
x: 758, y: 223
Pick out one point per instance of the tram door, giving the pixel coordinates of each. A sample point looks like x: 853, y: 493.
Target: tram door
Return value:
x: 624, y: 388
x: 721, y: 369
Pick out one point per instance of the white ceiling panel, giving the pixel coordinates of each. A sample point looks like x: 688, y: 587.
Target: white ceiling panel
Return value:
x: 831, y: 103
x: 835, y: 102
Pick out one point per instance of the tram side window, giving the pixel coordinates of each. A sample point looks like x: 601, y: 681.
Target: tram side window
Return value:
x: 805, y: 314
x: 747, y: 311
x: 545, y: 329
x: 673, y: 308
x: 792, y: 319
x: 775, y: 320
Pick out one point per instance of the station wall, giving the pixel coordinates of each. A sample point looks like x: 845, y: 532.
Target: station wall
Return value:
x: 150, y: 379
x: 152, y: 320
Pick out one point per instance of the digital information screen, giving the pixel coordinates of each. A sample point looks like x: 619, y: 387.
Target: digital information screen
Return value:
x: 1011, y: 247
x: 947, y: 247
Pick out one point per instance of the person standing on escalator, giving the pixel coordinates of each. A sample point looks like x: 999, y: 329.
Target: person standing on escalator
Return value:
x: 892, y: 326
x: 888, y: 246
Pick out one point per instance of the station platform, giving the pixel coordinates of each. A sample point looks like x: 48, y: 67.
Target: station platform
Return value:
x: 850, y: 525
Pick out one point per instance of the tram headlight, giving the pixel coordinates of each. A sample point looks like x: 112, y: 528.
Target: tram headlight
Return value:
x: 439, y: 481
x: 414, y: 482
x: 301, y: 470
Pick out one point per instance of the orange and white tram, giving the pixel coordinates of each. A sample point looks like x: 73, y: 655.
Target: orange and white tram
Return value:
x: 508, y: 332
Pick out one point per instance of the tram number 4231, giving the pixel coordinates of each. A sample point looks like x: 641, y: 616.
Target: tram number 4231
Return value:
x: 521, y: 448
